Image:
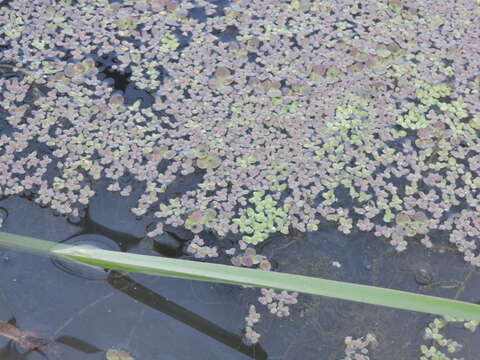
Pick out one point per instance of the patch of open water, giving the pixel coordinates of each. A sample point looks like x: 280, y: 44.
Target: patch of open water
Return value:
x: 162, y: 318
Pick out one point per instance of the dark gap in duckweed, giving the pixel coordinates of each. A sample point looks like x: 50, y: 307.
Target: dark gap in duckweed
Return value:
x: 197, y: 13
x: 252, y: 57
x: 166, y: 249
x: 228, y: 35
x: 172, y: 243
x: 63, y: 124
x: 182, y: 185
x: 177, y: 233
x: 87, y: 225
x: 35, y: 92
x: 183, y: 40
x: 343, y: 197
x: 163, y: 73
x: 121, y: 80
x: 5, y: 127
x: 133, y: 94
x: 5, y: 3
x: 124, y: 241
x: 221, y: 5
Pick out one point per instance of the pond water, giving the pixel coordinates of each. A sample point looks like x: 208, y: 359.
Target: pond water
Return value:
x: 241, y: 118
x: 163, y: 318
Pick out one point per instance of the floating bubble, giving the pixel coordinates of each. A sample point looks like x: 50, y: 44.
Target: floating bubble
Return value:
x: 423, y: 277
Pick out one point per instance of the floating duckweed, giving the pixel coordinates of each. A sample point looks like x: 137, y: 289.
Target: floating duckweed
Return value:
x: 263, y: 219
x: 403, y: 219
x: 222, y: 72
x: 116, y: 100
x: 114, y: 354
x: 265, y: 265
x: 169, y: 43
x: 253, y: 44
x: 332, y: 72
x: 277, y: 101
x: 126, y: 23
x: 208, y: 162
x: 199, y: 218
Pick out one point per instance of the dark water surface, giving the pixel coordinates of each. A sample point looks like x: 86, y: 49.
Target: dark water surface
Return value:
x: 162, y: 318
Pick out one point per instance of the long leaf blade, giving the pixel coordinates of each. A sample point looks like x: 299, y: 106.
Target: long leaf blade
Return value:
x: 240, y: 276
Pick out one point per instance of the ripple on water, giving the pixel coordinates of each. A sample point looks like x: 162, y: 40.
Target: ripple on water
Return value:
x: 79, y: 269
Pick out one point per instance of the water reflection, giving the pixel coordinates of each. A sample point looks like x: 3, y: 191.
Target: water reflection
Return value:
x: 158, y: 302
x: 78, y: 344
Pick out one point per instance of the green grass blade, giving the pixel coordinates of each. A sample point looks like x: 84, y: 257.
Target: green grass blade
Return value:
x: 29, y: 244
x: 194, y: 270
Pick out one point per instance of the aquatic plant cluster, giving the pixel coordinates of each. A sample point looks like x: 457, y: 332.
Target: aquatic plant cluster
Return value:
x: 295, y: 112
x: 438, y: 340
x: 357, y: 349
x: 292, y: 113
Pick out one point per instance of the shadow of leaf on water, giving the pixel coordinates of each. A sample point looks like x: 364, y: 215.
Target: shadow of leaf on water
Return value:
x: 179, y: 313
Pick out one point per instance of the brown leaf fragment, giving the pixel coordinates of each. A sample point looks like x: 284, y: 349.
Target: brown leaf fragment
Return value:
x: 26, y: 339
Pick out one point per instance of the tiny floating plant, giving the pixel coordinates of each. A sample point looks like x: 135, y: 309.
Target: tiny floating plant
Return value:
x: 193, y: 270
